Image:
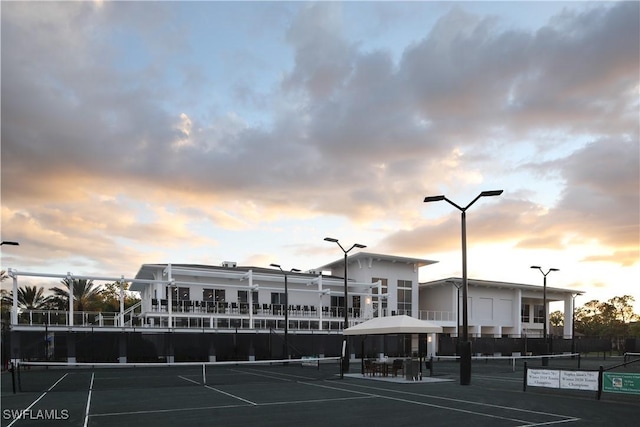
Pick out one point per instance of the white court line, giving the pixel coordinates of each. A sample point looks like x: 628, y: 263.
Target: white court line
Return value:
x: 189, y: 379
x: 203, y: 408
x: 231, y: 395
x: 489, y: 405
x: 86, y: 412
x: 160, y: 411
x: 465, y: 411
x: 38, y: 399
x: 568, y: 420
x: 219, y: 391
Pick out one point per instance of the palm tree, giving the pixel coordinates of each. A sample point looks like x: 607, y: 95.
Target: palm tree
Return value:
x: 86, y: 295
x: 29, y: 298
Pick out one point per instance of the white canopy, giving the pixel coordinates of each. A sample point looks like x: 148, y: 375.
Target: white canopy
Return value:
x: 393, y: 325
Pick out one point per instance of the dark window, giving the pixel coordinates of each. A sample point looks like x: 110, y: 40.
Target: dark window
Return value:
x: 538, y: 316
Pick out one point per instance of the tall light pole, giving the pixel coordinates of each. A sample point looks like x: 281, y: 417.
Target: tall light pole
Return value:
x: 286, y: 308
x: 545, y: 361
x: 457, y: 285
x: 345, y: 360
x: 465, y: 345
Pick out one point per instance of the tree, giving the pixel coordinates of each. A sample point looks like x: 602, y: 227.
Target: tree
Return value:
x: 623, y: 308
x: 111, y: 297
x: 86, y: 295
x: 29, y: 298
x: 556, y: 318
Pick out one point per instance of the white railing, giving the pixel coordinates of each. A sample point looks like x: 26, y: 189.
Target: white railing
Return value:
x: 438, y: 316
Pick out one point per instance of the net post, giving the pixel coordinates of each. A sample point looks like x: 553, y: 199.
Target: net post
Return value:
x: 17, y: 366
x: 600, y: 371
x: 204, y: 375
x: 578, y: 360
x: 524, y: 379
x: 13, y: 377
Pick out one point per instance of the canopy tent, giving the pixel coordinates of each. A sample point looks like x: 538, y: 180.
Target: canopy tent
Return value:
x: 393, y: 325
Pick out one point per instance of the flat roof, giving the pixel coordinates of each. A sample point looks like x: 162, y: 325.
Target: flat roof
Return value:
x: 496, y: 284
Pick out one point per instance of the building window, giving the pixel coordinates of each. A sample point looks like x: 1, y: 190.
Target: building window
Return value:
x: 404, y: 297
x: 377, y: 300
x: 524, y: 314
x: 243, y: 296
x: 179, y: 294
x: 219, y: 295
x: 538, y: 314
x: 277, y: 302
x: 337, y: 306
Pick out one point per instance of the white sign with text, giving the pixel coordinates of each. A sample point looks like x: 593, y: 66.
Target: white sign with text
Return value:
x: 543, y: 378
x: 579, y: 380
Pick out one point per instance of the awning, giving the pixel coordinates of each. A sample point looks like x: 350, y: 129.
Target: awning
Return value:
x: 393, y: 325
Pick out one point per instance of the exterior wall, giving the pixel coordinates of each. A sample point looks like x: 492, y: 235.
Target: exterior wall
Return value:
x: 363, y: 271
x: 491, y: 307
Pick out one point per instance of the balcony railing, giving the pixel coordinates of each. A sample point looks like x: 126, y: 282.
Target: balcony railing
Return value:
x: 220, y: 315
x: 438, y: 316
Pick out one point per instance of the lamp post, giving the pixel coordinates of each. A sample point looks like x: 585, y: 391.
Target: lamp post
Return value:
x: 465, y: 345
x: 545, y: 361
x: 286, y: 308
x: 457, y: 285
x: 345, y: 360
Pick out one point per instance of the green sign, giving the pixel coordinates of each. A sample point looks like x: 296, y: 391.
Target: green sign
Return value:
x: 619, y: 382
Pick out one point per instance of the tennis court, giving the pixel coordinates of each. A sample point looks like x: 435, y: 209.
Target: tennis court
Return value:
x: 300, y: 393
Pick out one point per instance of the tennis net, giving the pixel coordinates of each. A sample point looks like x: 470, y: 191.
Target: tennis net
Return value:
x: 58, y: 376
x: 449, y: 365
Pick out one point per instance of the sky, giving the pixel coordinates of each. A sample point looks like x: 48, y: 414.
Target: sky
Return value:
x: 203, y: 132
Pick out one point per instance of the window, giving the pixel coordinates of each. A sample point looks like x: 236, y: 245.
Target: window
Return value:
x: 375, y: 299
x: 538, y: 311
x: 337, y: 301
x: 219, y: 295
x: 524, y: 314
x: 404, y: 297
x: 277, y: 298
x: 211, y: 295
x: 179, y: 294
x: 243, y: 296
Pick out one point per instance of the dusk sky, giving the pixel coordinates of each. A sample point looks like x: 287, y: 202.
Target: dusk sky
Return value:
x: 203, y: 132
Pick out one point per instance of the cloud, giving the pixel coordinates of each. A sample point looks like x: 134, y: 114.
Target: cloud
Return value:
x: 89, y: 130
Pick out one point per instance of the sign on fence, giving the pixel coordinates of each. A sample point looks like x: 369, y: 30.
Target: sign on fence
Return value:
x: 620, y: 382
x: 576, y: 380
x: 543, y: 378
x: 579, y: 380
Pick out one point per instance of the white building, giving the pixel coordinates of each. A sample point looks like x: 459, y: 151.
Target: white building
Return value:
x: 495, y: 309
x: 218, y: 300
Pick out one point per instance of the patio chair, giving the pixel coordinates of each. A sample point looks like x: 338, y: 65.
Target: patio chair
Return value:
x: 398, y: 365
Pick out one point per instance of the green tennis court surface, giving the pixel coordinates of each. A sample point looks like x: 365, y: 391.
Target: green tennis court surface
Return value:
x: 301, y: 395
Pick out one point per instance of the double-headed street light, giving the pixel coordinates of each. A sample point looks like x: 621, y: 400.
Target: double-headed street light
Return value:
x: 545, y: 361
x: 345, y: 360
x: 465, y: 346
x: 286, y: 308
x: 10, y: 243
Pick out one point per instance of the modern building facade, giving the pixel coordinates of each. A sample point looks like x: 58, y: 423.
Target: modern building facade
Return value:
x: 231, y: 299
x: 496, y: 309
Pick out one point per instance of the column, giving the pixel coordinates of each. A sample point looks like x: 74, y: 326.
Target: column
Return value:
x: 568, y: 316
